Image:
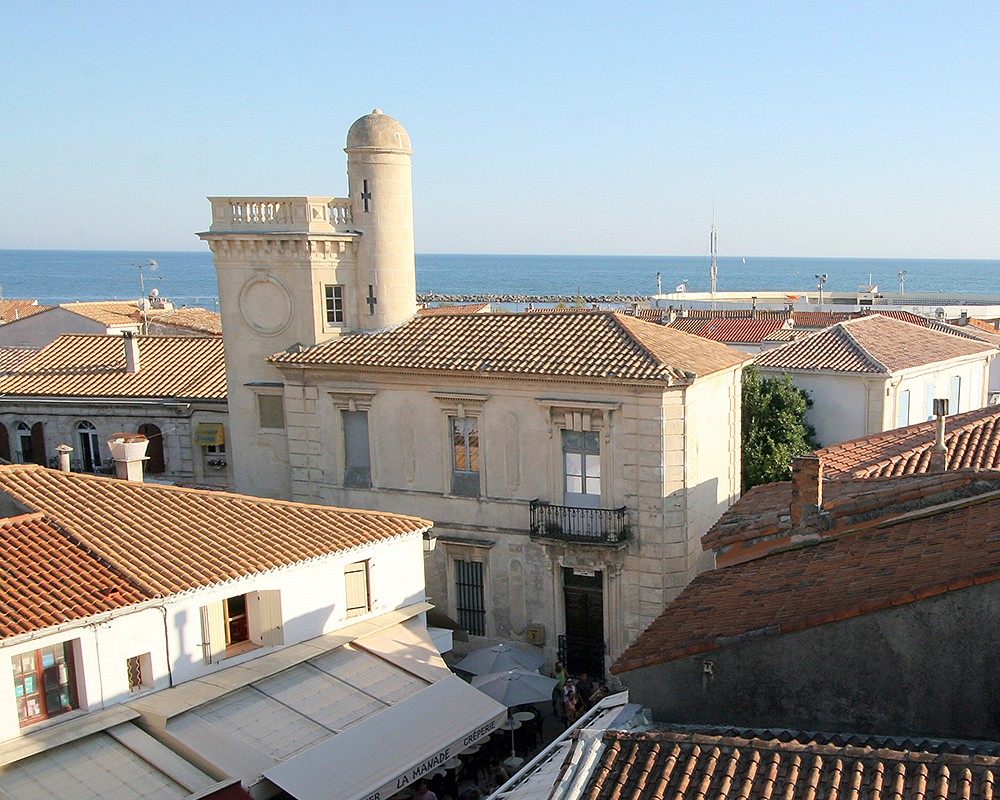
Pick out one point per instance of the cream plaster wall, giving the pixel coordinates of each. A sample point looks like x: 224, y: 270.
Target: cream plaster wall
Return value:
x: 649, y: 437
x: 42, y: 328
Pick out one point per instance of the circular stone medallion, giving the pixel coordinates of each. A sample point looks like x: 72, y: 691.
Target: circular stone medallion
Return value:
x: 266, y: 305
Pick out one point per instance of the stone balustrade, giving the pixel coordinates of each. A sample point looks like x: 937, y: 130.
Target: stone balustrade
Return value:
x: 281, y: 214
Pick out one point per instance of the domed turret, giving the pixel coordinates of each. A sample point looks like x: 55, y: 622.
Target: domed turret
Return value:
x: 378, y: 176
x: 378, y: 131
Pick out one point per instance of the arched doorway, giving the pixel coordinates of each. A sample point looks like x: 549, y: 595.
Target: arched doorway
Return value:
x: 90, y: 446
x: 156, y: 463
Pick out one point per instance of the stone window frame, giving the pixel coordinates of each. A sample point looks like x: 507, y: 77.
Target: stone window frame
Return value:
x: 353, y: 400
x: 586, y: 416
x: 462, y: 549
x: 463, y: 405
x: 337, y: 324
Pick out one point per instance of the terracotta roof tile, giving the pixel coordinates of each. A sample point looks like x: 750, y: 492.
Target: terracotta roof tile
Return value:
x: 737, y: 313
x: 692, y: 325
x: 820, y: 319
x: 972, y: 439
x: 12, y: 358
x: 94, y: 366
x: 107, y: 312
x: 653, y: 765
x: 741, y: 330
x: 166, y: 540
x: 597, y: 345
x: 873, y: 343
x: 13, y: 310
x: 49, y: 578
x: 194, y: 319
x: 468, y: 308
x: 894, y: 559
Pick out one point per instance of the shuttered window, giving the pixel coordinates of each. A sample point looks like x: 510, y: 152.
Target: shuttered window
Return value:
x: 358, y: 589
x: 240, y: 623
x: 470, y: 601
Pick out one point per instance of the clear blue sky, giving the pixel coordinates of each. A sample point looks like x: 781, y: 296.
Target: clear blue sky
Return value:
x: 816, y: 129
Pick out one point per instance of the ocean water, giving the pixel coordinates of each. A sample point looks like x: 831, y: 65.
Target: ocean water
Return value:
x: 188, y: 278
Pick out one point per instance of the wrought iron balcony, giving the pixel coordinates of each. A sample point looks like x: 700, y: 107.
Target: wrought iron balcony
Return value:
x: 584, y: 525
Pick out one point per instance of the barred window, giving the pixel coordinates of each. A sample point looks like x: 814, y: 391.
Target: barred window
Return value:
x: 470, y: 600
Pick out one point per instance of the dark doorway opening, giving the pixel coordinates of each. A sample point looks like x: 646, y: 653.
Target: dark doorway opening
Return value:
x: 583, y: 592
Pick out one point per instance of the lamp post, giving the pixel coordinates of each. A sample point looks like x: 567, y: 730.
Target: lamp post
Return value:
x: 821, y: 283
x: 902, y: 280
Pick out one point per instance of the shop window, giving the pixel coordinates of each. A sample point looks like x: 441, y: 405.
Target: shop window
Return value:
x: 470, y: 599
x: 356, y: 579
x: 465, y: 456
x: 44, y: 682
x: 241, y: 623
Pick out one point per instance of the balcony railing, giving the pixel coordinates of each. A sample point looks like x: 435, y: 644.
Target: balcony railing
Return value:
x: 281, y: 214
x: 584, y: 525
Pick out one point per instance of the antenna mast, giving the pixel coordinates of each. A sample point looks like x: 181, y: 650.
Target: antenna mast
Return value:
x: 714, y: 269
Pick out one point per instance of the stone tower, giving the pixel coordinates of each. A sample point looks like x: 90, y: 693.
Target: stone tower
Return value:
x: 378, y: 176
x: 298, y: 271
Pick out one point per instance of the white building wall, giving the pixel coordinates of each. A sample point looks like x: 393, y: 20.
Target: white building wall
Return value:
x: 44, y: 327
x: 312, y: 604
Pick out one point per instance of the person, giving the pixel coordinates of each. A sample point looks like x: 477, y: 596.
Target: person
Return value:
x: 584, y: 689
x: 423, y: 792
x: 570, y: 704
x: 559, y: 673
x: 599, y: 693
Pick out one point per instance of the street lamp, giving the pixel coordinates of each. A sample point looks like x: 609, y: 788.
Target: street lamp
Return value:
x: 822, y: 282
x: 902, y: 279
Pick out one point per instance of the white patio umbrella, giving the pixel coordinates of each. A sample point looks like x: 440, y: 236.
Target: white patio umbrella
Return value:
x: 499, y: 658
x: 515, y: 687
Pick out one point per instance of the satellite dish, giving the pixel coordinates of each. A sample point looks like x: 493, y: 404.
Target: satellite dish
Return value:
x: 154, y: 292
x: 153, y: 266
x: 143, y: 305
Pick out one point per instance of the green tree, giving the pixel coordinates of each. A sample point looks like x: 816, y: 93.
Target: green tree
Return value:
x: 774, y: 427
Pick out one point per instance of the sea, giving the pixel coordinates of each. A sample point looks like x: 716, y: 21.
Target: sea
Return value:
x: 188, y: 278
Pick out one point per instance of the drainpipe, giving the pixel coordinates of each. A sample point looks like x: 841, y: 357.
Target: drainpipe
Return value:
x: 939, y: 454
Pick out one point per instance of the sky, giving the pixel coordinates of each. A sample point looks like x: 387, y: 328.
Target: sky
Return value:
x: 840, y: 129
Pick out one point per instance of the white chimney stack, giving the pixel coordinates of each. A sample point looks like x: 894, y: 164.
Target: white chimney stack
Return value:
x: 131, y: 352
x: 129, y: 451
x: 64, y: 450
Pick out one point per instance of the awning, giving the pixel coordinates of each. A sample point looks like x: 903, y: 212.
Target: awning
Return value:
x: 209, y: 434
x: 394, y: 748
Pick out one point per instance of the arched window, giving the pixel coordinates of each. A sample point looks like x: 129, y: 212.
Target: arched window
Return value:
x: 90, y: 446
x: 4, y: 443
x: 23, y: 444
x: 157, y: 463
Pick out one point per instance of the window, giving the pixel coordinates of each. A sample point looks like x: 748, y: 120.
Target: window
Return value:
x: 582, y: 468
x: 956, y: 395
x: 140, y: 672
x: 156, y: 463
x: 271, y: 410
x: 4, y: 443
x: 90, y: 446
x: 44, y: 682
x: 470, y: 602
x: 465, y: 456
x: 357, y: 452
x: 929, y: 394
x: 903, y: 412
x: 25, y: 451
x: 334, y: 299
x: 358, y: 589
x: 241, y: 623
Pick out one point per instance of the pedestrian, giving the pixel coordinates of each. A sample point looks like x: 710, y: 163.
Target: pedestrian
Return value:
x: 559, y: 673
x: 423, y: 792
x: 584, y: 689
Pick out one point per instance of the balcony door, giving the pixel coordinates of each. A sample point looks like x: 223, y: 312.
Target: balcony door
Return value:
x: 582, y: 468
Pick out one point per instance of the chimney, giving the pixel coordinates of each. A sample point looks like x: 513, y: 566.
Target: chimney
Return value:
x: 753, y: 307
x: 131, y: 352
x: 939, y: 453
x: 129, y: 451
x: 963, y: 318
x: 671, y: 314
x: 64, y: 450
x: 807, y: 491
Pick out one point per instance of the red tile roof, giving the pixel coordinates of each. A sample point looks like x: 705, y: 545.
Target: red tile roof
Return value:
x: 874, y: 344
x: 741, y: 330
x: 188, y: 367
x: 165, y: 539
x: 820, y: 319
x: 468, y: 308
x: 13, y: 310
x: 692, y: 325
x: 737, y: 313
x: 654, y: 765
x: 595, y: 345
x: 193, y: 319
x: 50, y: 578
x: 894, y: 557
x: 12, y: 358
x: 972, y: 439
